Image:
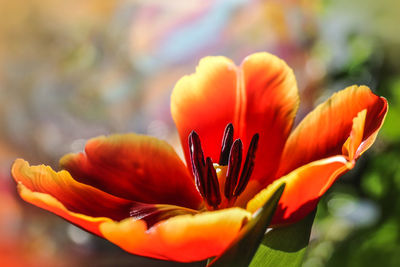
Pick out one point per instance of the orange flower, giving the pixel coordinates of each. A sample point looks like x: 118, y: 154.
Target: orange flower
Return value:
x: 136, y: 192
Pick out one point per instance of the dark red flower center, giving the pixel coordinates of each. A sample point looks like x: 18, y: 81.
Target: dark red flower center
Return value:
x: 220, y: 184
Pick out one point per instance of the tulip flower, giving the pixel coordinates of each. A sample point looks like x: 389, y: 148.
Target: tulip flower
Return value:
x: 235, y: 125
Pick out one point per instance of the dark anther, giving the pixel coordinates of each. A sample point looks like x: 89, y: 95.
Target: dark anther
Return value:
x: 227, y: 141
x: 248, y: 166
x: 198, y: 164
x: 213, y: 195
x: 232, y: 174
x: 231, y: 156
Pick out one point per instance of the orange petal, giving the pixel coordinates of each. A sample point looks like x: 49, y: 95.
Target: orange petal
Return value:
x: 323, y: 132
x: 48, y: 202
x: 260, y: 97
x: 304, y: 187
x: 74, y: 196
x: 352, y: 143
x: 134, y: 167
x: 182, y: 238
x: 269, y: 107
x: 370, y: 136
x: 205, y: 102
x: 82, y: 204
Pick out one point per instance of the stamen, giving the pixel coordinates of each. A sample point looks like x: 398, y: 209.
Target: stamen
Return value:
x: 227, y: 141
x: 207, y: 181
x: 198, y: 164
x: 232, y: 174
x: 213, y: 195
x: 248, y: 165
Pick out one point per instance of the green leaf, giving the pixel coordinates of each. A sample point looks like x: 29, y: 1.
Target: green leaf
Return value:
x: 285, y: 246
x: 242, y: 249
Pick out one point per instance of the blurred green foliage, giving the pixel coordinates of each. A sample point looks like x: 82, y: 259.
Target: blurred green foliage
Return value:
x: 358, y: 221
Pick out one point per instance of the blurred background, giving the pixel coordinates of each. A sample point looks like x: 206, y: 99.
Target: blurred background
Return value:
x: 72, y: 70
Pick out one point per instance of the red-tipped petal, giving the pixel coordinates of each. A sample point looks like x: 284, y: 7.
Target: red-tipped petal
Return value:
x: 323, y: 132
x: 182, y: 238
x: 58, y: 192
x: 82, y: 204
x: 135, y: 167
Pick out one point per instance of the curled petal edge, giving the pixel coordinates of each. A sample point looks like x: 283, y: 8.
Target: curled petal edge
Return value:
x: 49, y: 203
x: 322, y: 133
x: 75, y: 196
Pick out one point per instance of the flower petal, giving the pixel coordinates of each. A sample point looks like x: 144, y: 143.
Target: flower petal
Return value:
x: 260, y: 97
x: 205, y: 102
x: 48, y: 202
x: 182, y: 238
x: 82, y: 204
x: 269, y: 107
x: 323, y: 132
x: 74, y: 196
x: 304, y: 187
x: 134, y: 167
